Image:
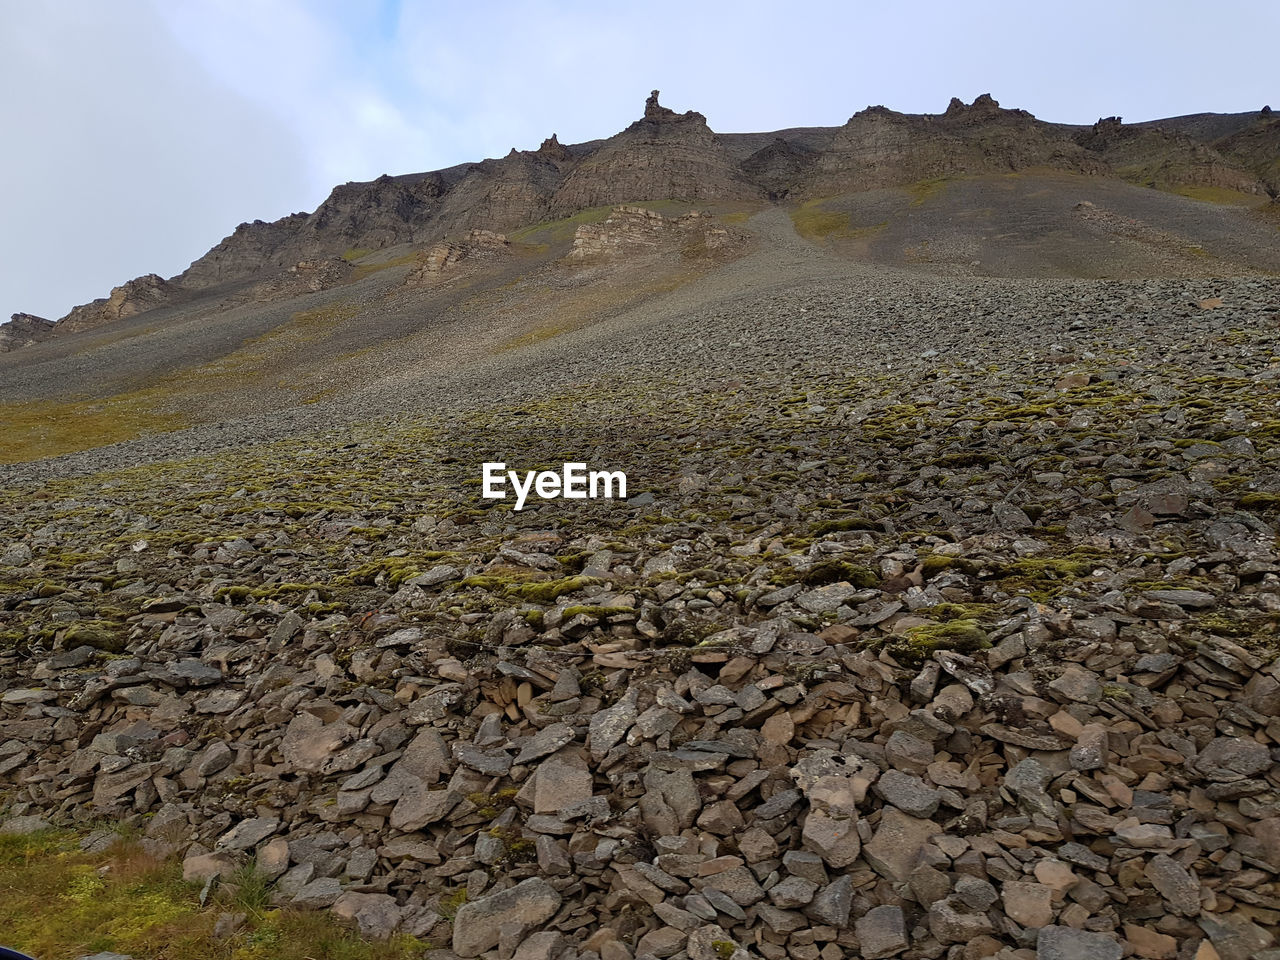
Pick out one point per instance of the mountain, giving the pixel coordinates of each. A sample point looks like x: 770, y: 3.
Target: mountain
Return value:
x: 669, y: 156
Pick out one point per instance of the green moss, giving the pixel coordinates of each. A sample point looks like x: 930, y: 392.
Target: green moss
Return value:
x: 947, y: 612
x: 724, y: 949
x: 395, y: 570
x: 919, y: 643
x: 814, y: 221
x: 598, y: 612
x: 489, y: 805
x: 936, y: 563
x: 1071, y: 567
x: 836, y: 571
x: 548, y: 591
x: 99, y: 634
x: 966, y: 458
x: 1260, y: 501
x: 1114, y: 691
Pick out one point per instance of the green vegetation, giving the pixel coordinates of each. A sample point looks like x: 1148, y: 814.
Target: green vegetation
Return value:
x: 922, y: 190
x: 56, y: 901
x: 557, y: 232
x: 1215, y: 195
x: 919, y: 643
x: 814, y: 221
x: 37, y: 429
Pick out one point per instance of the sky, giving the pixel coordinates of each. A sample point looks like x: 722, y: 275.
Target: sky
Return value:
x: 135, y: 134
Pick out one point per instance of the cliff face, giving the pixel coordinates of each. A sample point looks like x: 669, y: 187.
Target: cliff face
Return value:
x: 1164, y: 158
x: 662, y: 156
x: 23, y: 330
x: 507, y: 193
x: 249, y: 250
x: 879, y: 147
x: 127, y: 300
x: 1257, y: 147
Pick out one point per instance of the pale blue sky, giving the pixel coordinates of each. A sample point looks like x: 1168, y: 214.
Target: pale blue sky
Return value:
x: 140, y: 132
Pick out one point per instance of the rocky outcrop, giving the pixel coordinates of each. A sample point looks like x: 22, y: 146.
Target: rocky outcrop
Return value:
x: 634, y: 231
x: 248, y: 251
x: 662, y: 156
x: 305, y: 276
x: 127, y: 300
x: 479, y: 245
x: 879, y: 147
x: 373, y: 215
x: 23, y: 330
x: 370, y: 215
x: 1154, y: 157
x: 504, y: 194
x: 553, y: 149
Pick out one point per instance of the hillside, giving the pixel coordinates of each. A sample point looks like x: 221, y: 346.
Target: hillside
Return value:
x: 940, y: 617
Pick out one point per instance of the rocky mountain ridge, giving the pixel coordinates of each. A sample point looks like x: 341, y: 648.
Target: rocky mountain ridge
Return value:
x: 666, y: 155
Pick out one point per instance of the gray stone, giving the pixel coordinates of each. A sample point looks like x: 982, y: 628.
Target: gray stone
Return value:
x: 828, y: 598
x: 195, y: 673
x: 25, y: 825
x: 1090, y: 751
x: 833, y: 836
x: 318, y: 894
x: 248, y: 833
x: 894, y: 850
x: 545, y: 742
x: 609, y: 726
x: 737, y: 883
x: 376, y: 914
x: 1236, y: 937
x: 561, y: 781
x: 1179, y: 889
x: 792, y: 892
x: 309, y: 744
x: 975, y: 892
x: 908, y: 793
x: 1227, y: 759
x: 951, y: 921
x: 421, y: 806
x: 1195, y: 599
x: 1067, y: 943
x: 832, y: 903
x: 882, y: 932
x: 477, y: 925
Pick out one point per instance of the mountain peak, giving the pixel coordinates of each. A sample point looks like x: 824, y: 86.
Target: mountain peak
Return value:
x: 656, y: 113
x: 984, y: 107
x: 553, y: 148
